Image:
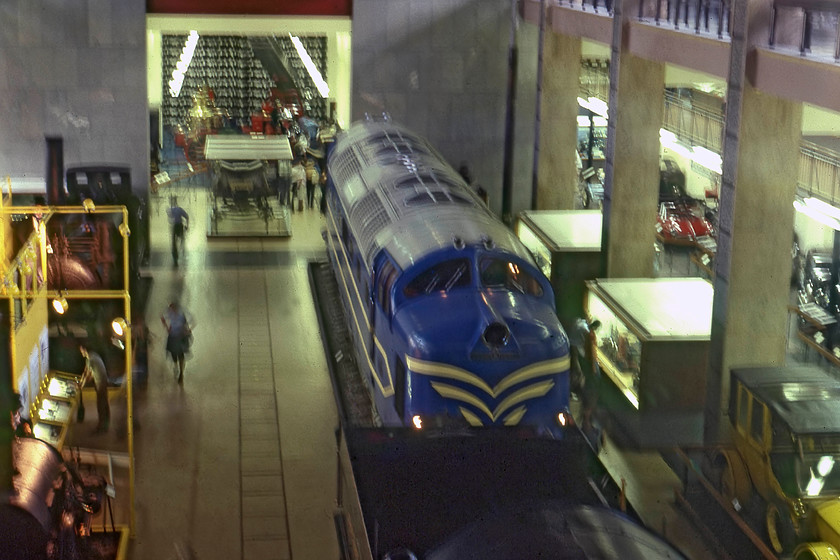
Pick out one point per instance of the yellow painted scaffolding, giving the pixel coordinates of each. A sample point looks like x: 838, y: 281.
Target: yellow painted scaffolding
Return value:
x: 24, y: 287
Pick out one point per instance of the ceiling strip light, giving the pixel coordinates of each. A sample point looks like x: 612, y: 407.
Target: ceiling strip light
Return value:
x: 815, y: 214
x: 183, y: 63
x: 322, y: 86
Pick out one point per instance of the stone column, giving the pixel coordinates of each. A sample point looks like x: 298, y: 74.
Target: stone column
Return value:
x: 634, y: 193
x: 762, y: 137
x: 754, y: 322
x: 557, y: 176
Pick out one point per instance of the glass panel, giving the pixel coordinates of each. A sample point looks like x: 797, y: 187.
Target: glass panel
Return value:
x: 502, y: 274
x: 743, y: 408
x: 757, y: 424
x: 440, y: 278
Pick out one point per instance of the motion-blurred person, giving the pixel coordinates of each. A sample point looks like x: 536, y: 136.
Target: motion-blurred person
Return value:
x: 179, y: 335
x: 322, y: 182
x: 179, y: 221
x: 312, y: 174
x: 298, y: 181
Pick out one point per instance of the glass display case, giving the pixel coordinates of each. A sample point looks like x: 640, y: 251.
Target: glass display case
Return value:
x: 652, y: 348
x: 566, y: 245
x: 55, y: 407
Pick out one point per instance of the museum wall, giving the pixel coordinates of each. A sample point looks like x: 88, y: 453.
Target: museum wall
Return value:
x: 441, y: 68
x: 75, y: 70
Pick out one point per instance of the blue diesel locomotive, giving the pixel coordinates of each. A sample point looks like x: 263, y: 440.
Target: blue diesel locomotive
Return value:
x: 452, y: 321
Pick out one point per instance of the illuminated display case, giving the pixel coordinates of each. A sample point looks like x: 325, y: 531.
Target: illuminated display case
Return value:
x: 652, y: 348
x: 55, y: 407
x: 566, y: 245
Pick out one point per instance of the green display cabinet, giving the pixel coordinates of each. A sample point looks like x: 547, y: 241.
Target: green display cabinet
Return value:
x: 567, y: 247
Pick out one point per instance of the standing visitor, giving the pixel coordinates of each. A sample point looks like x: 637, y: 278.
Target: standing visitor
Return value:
x: 95, y: 370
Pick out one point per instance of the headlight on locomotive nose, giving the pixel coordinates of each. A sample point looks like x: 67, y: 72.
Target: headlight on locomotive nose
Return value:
x: 496, y: 335
x: 417, y: 421
x: 564, y: 418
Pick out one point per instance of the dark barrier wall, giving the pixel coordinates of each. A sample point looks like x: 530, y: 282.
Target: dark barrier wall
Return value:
x: 55, y: 170
x: 252, y: 7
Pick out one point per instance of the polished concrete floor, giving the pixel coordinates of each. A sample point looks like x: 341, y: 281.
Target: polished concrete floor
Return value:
x: 240, y: 460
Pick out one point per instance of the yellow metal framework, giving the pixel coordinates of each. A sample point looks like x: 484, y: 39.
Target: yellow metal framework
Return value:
x: 21, y: 284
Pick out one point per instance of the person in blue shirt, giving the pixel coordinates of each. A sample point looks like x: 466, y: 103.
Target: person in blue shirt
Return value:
x: 179, y: 222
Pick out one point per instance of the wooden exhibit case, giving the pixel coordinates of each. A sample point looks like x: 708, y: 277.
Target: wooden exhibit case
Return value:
x: 567, y: 247
x: 652, y: 348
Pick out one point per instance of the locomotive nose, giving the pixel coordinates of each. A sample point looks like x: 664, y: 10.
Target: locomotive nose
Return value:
x: 496, y: 335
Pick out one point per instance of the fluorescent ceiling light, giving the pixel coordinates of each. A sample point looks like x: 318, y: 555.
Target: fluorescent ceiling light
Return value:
x: 595, y: 105
x: 183, y: 64
x: 583, y: 121
x: 669, y: 140
x: 823, y: 207
x: 322, y: 86
x: 707, y: 159
x: 821, y: 217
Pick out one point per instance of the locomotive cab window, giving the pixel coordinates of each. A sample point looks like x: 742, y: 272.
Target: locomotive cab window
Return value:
x: 384, y: 282
x: 503, y: 274
x: 440, y: 278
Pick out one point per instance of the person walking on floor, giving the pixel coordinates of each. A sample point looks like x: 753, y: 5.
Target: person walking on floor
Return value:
x: 179, y: 222
x: 312, y: 174
x: 95, y: 370
x: 322, y: 182
x: 179, y: 335
x: 298, y: 181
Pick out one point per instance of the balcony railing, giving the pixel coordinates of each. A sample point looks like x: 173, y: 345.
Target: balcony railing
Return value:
x: 811, y: 27
x: 694, y: 125
x: 819, y: 172
x: 819, y: 166
x: 700, y: 16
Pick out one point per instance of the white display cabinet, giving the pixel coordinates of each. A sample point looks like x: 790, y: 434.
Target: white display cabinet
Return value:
x: 652, y: 348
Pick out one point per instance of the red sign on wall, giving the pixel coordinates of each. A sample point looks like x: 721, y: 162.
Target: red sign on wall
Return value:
x: 252, y: 7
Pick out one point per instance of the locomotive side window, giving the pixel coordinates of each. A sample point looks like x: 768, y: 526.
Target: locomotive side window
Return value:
x: 384, y: 283
x: 503, y: 274
x: 435, y: 197
x: 440, y: 278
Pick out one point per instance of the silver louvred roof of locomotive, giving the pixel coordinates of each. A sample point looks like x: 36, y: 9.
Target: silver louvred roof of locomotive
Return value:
x: 401, y: 195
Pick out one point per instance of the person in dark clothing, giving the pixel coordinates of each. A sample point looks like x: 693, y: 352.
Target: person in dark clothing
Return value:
x: 312, y: 174
x: 322, y: 182
x: 179, y: 221
x: 584, y: 345
x: 179, y: 335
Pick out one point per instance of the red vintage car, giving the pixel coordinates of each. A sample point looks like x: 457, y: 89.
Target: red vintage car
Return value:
x: 682, y: 222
